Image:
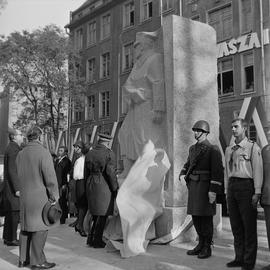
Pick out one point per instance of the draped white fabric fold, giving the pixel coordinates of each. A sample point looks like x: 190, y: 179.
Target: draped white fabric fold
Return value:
x: 140, y: 199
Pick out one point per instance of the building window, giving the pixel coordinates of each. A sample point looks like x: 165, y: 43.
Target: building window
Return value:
x: 105, y: 65
x: 221, y: 21
x: 146, y: 9
x: 105, y: 26
x: 104, y: 104
x: 248, y: 72
x: 91, y: 37
x: 90, y: 108
x: 90, y: 69
x: 245, y: 15
x: 78, y: 116
x: 79, y: 39
x: 167, y: 5
x: 128, y: 14
x: 225, y: 77
x: 128, y: 56
x: 78, y: 71
x: 251, y: 131
x: 77, y: 112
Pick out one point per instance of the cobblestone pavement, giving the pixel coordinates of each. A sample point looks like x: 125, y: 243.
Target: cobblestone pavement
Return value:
x: 69, y: 251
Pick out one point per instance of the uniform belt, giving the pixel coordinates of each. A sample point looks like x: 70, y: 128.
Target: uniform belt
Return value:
x: 201, y: 172
x: 239, y: 179
x: 95, y: 173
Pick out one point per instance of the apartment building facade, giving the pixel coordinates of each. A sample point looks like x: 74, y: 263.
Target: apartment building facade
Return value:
x: 103, y: 31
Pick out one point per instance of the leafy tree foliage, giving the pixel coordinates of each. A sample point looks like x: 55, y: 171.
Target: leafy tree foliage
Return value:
x: 34, y: 69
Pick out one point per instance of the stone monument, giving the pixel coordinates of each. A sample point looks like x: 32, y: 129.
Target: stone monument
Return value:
x: 166, y: 93
x: 190, y: 67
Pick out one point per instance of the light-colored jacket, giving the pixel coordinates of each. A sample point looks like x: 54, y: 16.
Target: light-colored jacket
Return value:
x: 37, y: 182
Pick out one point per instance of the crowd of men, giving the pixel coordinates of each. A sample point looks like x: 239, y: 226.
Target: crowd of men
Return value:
x: 40, y: 189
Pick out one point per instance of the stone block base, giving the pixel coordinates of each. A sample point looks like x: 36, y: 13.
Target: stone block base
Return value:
x: 173, y: 224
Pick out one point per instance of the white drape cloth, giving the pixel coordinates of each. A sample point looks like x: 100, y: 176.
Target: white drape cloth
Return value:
x: 140, y: 199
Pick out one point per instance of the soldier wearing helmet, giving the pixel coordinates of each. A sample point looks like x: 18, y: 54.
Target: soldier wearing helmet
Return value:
x: 203, y: 173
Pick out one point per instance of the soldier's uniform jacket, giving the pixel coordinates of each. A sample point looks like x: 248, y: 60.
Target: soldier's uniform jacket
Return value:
x: 100, y: 172
x: 204, y: 173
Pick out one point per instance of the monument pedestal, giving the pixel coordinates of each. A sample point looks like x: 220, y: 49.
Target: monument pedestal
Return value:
x: 175, y: 224
x: 190, y: 67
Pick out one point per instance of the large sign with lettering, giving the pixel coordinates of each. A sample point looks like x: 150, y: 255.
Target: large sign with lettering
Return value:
x: 241, y: 44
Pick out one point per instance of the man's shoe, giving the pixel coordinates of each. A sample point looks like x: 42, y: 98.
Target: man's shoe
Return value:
x: 234, y: 263
x: 45, y: 265
x: 206, y: 252
x: 100, y: 244
x: 195, y: 251
x: 82, y: 233
x: 23, y: 264
x: 13, y: 243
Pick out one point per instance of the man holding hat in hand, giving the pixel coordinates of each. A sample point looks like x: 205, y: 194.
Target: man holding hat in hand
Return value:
x: 101, y: 187
x: 38, y: 185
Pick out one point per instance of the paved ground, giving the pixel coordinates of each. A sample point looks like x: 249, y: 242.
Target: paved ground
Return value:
x: 69, y: 251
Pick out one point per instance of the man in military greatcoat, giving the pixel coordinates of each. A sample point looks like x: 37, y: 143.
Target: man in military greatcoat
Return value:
x: 62, y: 168
x: 203, y: 173
x: 11, y: 191
x: 101, y: 187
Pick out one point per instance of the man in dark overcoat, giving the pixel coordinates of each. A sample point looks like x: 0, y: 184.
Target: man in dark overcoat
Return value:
x: 62, y: 168
x: 11, y: 191
x: 203, y: 173
x: 101, y: 187
x: 38, y: 185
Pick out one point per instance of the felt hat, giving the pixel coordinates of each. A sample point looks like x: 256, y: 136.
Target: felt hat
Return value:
x: 79, y: 144
x: 51, y: 213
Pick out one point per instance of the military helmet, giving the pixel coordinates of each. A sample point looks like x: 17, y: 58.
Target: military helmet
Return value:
x: 201, y: 125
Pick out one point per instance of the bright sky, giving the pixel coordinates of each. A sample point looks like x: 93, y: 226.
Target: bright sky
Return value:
x: 28, y: 15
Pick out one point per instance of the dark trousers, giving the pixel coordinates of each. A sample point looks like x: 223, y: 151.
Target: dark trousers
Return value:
x: 97, y: 229
x: 267, y: 222
x: 64, y: 206
x: 32, y: 247
x: 243, y: 218
x: 81, y: 203
x: 11, y: 225
x: 204, y: 228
